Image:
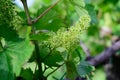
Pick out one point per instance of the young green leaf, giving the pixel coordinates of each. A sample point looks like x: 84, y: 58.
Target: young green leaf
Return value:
x: 84, y: 68
x: 92, y: 13
x: 14, y: 56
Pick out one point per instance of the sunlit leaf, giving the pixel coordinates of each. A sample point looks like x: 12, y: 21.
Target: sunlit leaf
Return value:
x: 14, y: 56
x: 39, y: 37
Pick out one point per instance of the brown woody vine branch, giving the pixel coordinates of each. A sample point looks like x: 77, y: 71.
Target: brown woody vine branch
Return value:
x: 106, y: 54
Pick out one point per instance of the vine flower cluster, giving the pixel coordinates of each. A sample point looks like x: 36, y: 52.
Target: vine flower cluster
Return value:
x: 8, y: 15
x: 69, y: 38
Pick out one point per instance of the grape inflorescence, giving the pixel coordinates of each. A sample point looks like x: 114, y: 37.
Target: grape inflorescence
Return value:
x: 8, y: 14
x: 69, y: 38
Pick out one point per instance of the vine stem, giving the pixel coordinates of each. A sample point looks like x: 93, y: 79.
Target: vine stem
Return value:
x: 45, y: 12
x: 24, y: 2
x: 37, y: 50
x: 30, y: 22
x: 38, y: 59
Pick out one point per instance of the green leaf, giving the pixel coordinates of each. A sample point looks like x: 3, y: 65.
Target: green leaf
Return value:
x: 75, y: 56
x: 8, y: 33
x: 5, y: 69
x: 80, y: 3
x: 81, y: 11
x: 71, y: 70
x: 27, y: 74
x: 92, y: 13
x: 53, y: 60
x: 44, y: 51
x: 87, y: 1
x: 60, y: 49
x: 40, y: 37
x: 14, y: 56
x: 47, y: 2
x: 118, y: 52
x: 22, y: 15
x: 51, y: 21
x: 84, y: 68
